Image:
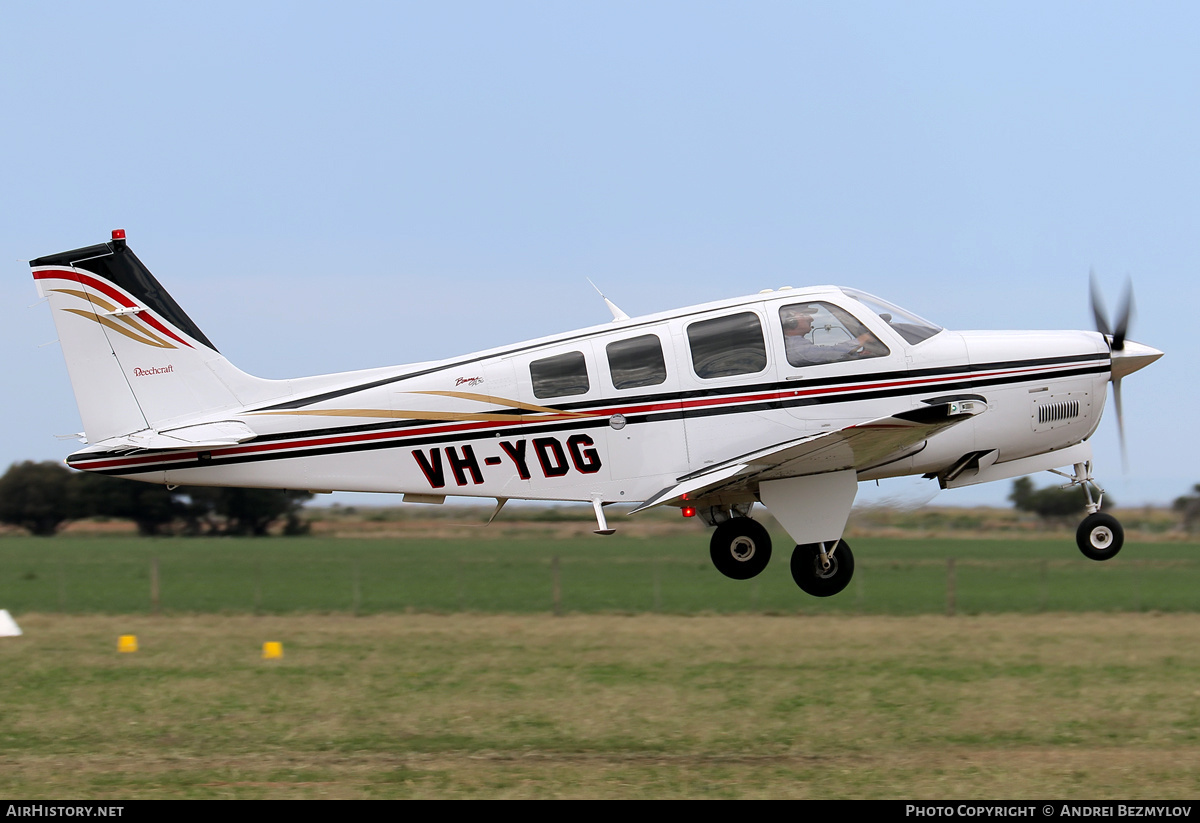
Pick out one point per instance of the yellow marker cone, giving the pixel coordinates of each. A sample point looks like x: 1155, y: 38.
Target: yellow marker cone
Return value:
x: 127, y: 643
x: 272, y: 650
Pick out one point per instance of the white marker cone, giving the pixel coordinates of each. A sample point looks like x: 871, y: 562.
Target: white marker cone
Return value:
x: 8, y: 626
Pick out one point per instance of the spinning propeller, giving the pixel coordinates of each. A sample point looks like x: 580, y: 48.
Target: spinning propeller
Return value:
x: 1116, y: 339
x: 1127, y: 357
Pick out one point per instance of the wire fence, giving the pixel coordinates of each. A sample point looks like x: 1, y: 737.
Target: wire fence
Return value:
x: 561, y: 585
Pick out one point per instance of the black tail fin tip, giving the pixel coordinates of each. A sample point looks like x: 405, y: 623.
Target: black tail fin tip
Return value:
x: 115, y: 261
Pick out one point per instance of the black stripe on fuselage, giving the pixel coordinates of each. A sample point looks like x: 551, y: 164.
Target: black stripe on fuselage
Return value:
x: 693, y: 393
x: 520, y: 430
x: 761, y: 388
x: 1102, y: 364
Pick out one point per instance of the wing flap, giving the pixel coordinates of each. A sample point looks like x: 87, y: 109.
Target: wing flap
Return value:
x: 860, y: 446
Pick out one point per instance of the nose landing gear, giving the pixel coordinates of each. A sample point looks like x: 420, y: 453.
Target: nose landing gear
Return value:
x: 1099, y: 536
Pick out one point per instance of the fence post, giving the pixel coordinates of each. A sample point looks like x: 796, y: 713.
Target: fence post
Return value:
x: 154, y: 599
x: 557, y: 586
x: 355, y: 587
x: 951, y: 588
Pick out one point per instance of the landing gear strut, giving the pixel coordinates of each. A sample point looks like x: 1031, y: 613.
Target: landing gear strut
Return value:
x: 740, y: 548
x: 1099, y: 536
x: 822, y: 569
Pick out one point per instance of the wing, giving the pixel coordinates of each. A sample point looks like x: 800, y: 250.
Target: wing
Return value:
x: 859, y: 447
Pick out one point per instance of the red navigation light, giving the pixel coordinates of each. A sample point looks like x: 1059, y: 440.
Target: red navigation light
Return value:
x: 688, y: 511
x: 118, y: 234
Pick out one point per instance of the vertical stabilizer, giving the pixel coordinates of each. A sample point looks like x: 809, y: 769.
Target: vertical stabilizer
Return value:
x: 136, y: 360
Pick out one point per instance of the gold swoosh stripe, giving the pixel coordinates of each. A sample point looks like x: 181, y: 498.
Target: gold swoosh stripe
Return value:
x: 400, y: 414
x: 544, y: 413
x: 502, y: 401
x: 119, y: 329
x: 126, y: 319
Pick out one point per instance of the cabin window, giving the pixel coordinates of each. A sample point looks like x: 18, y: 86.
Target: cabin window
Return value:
x: 727, y: 346
x: 560, y: 376
x: 636, y: 362
x: 816, y: 333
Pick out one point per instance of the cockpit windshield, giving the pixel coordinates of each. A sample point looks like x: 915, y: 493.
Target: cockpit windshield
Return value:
x: 906, y: 324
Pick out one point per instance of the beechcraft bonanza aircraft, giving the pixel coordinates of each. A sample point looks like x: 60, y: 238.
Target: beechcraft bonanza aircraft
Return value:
x: 787, y: 398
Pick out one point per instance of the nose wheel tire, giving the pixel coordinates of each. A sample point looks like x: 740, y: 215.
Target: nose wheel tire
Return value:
x: 1100, y: 536
x: 740, y: 548
x: 813, y: 577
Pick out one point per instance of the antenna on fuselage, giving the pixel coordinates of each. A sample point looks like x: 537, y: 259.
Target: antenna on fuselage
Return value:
x: 612, y: 307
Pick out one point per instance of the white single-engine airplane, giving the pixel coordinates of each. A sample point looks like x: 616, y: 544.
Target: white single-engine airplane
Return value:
x: 789, y: 397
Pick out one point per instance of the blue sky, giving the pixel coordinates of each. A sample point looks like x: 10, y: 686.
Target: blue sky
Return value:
x: 334, y: 186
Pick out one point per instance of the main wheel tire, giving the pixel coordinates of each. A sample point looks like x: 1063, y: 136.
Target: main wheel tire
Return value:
x: 816, y: 580
x: 740, y: 548
x: 1100, y: 536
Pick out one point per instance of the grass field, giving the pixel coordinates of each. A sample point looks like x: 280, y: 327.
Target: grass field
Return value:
x: 1071, y: 706
x: 426, y: 668
x: 532, y: 573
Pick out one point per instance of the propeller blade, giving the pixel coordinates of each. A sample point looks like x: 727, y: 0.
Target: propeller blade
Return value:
x: 1099, y: 315
x: 1122, y: 363
x: 1124, y: 318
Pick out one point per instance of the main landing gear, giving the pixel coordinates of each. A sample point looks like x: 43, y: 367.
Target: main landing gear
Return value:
x: 1099, y: 536
x: 822, y: 569
x: 741, y: 548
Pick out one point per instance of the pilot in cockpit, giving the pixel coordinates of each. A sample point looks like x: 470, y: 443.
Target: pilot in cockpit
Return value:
x: 801, y: 351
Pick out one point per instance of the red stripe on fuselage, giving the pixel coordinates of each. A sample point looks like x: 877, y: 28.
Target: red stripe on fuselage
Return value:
x: 711, y: 402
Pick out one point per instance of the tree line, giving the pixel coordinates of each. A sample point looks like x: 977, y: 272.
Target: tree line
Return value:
x: 1053, y: 504
x: 40, y: 497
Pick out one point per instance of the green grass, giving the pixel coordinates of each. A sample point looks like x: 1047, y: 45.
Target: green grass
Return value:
x: 77, y: 575
x: 1087, y: 706
x: 736, y: 690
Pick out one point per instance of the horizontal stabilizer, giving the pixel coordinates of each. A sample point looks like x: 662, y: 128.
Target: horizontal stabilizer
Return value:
x: 203, y: 436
